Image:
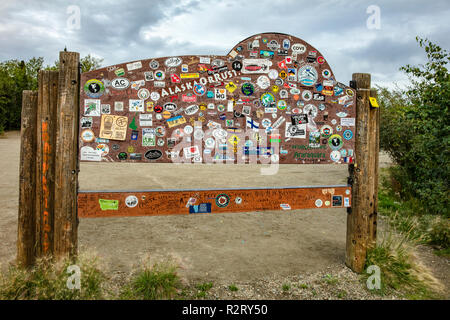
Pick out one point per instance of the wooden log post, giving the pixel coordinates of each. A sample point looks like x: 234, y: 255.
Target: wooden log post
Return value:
x: 374, y: 150
x: 66, y: 164
x: 45, y: 161
x: 26, y: 236
x: 358, y: 215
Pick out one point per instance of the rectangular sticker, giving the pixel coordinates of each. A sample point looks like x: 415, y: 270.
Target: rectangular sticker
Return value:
x: 145, y: 120
x: 113, y: 127
x: 106, y: 204
x: 201, y: 208
x: 348, y: 122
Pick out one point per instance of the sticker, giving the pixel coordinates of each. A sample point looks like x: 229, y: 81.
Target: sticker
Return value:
x: 220, y: 94
x: 335, y: 142
x: 191, y: 152
x: 122, y: 156
x: 89, y: 154
x: 154, y: 64
x: 134, y: 65
x: 118, y: 106
x: 120, y: 83
x: 295, y: 131
x: 173, y: 62
x: 298, y: 48
x: 153, y: 154
x: 337, y: 201
x: 222, y: 200
x: 238, y: 200
x: 175, y: 121
x: 103, y: 149
x: 113, y: 127
x: 346, y: 202
x: 348, y: 134
x: 335, y: 156
x: 143, y: 94
x: 307, y: 75
x: 159, y: 75
x: 86, y: 122
x: 373, y: 102
x: 131, y: 201
x: 87, y: 135
x: 318, y: 203
x: 348, y: 122
x: 106, y: 204
x: 201, y: 208
x: 148, y: 137
x: 94, y: 88
x: 92, y: 107
x: 199, y: 89
x: 285, y: 206
x: 135, y: 105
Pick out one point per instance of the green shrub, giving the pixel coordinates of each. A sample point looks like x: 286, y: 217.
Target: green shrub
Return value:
x: 440, y: 233
x: 415, y: 131
x: 48, y: 281
x: 155, y: 282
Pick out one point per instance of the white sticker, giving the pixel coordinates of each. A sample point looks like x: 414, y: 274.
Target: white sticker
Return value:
x: 348, y: 122
x: 89, y: 154
x: 134, y: 65
x: 145, y: 120
x: 285, y: 206
x: 318, y: 203
x: 131, y: 201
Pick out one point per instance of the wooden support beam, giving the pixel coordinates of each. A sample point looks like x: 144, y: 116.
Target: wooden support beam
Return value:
x: 374, y: 150
x: 66, y: 164
x: 26, y: 236
x: 45, y: 160
x: 358, y: 216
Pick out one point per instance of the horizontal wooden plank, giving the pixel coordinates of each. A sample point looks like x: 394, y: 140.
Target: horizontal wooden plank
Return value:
x: 163, y: 202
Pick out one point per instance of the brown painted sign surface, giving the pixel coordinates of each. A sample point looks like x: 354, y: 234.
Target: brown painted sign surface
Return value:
x: 153, y: 203
x: 272, y: 99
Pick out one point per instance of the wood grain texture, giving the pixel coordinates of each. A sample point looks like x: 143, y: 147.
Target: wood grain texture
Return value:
x: 66, y: 166
x: 164, y: 202
x: 358, y: 217
x: 26, y: 231
x: 374, y: 150
x: 45, y: 160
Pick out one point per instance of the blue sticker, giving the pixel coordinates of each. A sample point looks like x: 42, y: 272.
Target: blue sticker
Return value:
x: 201, y: 208
x: 348, y: 134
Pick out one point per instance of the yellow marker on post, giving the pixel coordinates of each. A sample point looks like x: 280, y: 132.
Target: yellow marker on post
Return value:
x: 373, y: 102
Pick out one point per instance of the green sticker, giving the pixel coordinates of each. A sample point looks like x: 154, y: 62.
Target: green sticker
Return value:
x: 108, y: 204
x: 133, y: 124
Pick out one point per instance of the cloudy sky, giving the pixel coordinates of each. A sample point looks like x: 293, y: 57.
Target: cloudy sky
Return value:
x: 121, y: 31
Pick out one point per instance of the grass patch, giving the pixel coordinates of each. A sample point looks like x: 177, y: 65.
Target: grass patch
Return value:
x: 303, y: 286
x: 203, y: 289
x: 233, y: 288
x: 49, y: 281
x: 329, y: 279
x: 286, y: 287
x: 158, y: 281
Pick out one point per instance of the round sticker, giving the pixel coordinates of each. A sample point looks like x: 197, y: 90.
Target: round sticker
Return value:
x: 335, y: 156
x: 237, y: 65
x: 143, y: 94
x: 155, y: 96
x: 87, y: 135
x: 166, y: 114
x: 188, y: 130
x: 198, y: 134
x: 263, y: 82
x: 122, y: 156
x: 238, y: 200
x: 326, y: 130
x: 326, y: 73
x: 307, y: 75
x: 335, y: 142
x: 318, y: 203
x: 247, y: 89
x: 154, y: 64
x: 348, y: 134
x: 160, y: 131
x: 209, y: 143
x: 327, y: 203
x: 159, y: 75
x: 274, y: 158
x: 267, y: 99
x: 310, y: 110
x: 281, y: 104
x: 94, y: 88
x: 306, y: 95
x: 131, y: 201
x: 273, y: 74
x: 266, y: 122
x: 199, y: 89
x: 222, y: 200
x: 160, y: 142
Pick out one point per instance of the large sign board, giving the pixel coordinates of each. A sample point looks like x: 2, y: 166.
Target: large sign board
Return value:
x: 272, y: 99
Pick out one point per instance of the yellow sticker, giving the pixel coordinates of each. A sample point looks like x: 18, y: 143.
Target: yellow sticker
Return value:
x: 373, y: 102
x: 189, y: 75
x: 113, y: 127
x: 231, y: 87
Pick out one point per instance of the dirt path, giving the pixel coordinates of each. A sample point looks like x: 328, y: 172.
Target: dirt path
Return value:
x: 237, y: 247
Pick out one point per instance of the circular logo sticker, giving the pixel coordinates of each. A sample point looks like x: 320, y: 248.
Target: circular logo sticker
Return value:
x: 87, y: 135
x: 94, y: 88
x: 131, y: 201
x: 281, y: 105
x: 306, y: 95
x: 199, y: 89
x: 307, y: 75
x: 222, y: 200
x: 326, y: 131
x: 273, y: 74
x: 267, y: 99
x: 335, y: 142
x: 335, y: 156
x: 263, y: 82
x: 247, y: 89
x: 159, y: 75
x: 348, y: 134
x: 188, y: 129
x: 122, y: 156
x: 154, y: 64
x: 238, y: 200
x: 143, y: 94
x: 160, y: 131
x: 318, y: 203
x: 326, y: 73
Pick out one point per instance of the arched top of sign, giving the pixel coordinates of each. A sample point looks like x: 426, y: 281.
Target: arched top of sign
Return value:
x: 272, y: 98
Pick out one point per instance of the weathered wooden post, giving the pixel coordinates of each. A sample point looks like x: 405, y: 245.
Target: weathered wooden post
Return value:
x: 66, y: 164
x: 45, y: 160
x: 360, y: 171
x: 374, y: 150
x: 26, y: 235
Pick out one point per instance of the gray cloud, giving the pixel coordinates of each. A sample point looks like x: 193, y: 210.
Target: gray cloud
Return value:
x: 126, y: 31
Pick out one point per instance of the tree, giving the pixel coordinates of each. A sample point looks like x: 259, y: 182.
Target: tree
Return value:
x: 416, y: 129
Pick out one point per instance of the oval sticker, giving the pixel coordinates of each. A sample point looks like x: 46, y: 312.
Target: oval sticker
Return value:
x: 120, y: 83
x: 153, y: 154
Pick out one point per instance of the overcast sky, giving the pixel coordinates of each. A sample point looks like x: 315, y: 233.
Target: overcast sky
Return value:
x: 121, y: 31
